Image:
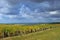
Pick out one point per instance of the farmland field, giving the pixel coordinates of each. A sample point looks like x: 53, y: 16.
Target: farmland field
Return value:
x: 30, y: 32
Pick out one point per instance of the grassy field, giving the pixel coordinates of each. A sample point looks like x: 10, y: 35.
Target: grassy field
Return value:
x: 52, y: 33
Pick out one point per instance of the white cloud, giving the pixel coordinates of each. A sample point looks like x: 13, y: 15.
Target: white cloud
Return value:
x: 45, y: 4
x: 4, y: 3
x: 25, y: 12
x: 4, y: 6
x: 53, y: 12
x: 24, y: 9
x: 11, y: 16
x: 26, y: 16
x: 1, y: 16
x: 4, y: 10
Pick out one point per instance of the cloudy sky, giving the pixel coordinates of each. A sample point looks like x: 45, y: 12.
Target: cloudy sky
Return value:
x: 29, y: 11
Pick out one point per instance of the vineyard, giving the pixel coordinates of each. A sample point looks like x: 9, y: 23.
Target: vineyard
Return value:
x: 10, y: 30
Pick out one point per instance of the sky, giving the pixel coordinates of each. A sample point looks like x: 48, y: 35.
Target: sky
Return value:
x: 29, y: 11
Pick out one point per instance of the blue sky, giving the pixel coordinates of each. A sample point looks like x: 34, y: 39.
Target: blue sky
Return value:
x: 29, y: 11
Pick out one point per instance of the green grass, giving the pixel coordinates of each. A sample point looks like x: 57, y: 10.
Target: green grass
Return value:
x: 53, y: 34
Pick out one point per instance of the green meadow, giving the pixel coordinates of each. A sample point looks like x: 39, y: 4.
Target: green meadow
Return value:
x: 30, y: 32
